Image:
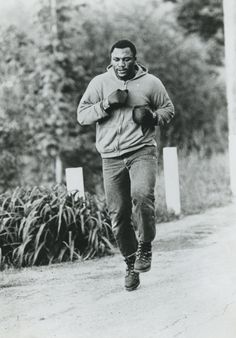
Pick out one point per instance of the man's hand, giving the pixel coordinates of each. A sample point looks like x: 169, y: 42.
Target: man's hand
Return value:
x: 117, y: 98
x: 143, y: 116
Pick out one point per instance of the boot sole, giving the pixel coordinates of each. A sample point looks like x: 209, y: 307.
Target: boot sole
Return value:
x: 143, y: 270
x: 133, y: 287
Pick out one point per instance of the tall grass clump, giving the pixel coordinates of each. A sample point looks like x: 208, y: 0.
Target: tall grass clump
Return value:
x: 204, y: 183
x: 41, y: 226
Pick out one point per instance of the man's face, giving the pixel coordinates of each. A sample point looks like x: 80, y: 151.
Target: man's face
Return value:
x: 123, y: 63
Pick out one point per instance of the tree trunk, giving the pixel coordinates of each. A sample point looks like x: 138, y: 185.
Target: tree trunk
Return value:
x: 229, y: 7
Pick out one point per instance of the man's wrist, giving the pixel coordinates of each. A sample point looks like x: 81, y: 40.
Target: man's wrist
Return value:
x: 105, y: 105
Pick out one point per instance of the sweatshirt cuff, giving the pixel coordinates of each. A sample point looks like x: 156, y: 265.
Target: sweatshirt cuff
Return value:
x: 163, y: 117
x: 105, y: 105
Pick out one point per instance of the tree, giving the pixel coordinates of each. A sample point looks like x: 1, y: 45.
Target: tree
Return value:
x: 11, y: 141
x: 205, y: 18
x: 14, y: 63
x: 63, y: 77
x: 202, y: 17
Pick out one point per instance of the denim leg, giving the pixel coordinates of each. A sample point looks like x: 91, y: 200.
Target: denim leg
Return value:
x: 143, y: 173
x: 117, y: 191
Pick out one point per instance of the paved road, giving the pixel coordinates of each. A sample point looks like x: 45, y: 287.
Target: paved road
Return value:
x: 189, y: 293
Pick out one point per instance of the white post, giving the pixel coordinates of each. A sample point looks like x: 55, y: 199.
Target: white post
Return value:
x: 232, y: 163
x: 75, y: 181
x: 229, y: 7
x: 171, y: 176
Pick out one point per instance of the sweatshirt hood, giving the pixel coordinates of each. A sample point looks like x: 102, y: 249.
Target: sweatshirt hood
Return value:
x: 140, y: 71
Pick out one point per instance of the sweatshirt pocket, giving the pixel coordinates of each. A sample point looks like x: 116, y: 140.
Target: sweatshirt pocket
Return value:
x: 105, y: 138
x: 131, y: 135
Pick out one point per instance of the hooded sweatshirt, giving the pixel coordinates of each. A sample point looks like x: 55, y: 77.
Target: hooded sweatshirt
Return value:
x: 116, y: 132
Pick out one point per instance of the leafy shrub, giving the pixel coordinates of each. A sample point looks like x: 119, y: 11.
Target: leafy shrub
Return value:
x: 42, y: 226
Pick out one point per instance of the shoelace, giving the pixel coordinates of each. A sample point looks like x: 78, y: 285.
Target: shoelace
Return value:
x: 143, y: 255
x: 130, y: 269
x: 131, y: 272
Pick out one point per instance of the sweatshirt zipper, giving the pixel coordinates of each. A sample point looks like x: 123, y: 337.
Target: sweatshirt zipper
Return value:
x: 119, y: 128
x: 125, y: 84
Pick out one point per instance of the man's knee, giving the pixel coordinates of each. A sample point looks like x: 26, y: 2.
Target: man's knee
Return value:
x: 142, y: 197
x: 120, y: 213
x: 121, y: 222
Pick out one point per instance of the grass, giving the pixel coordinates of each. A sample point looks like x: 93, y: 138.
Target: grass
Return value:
x: 204, y: 183
x: 40, y: 226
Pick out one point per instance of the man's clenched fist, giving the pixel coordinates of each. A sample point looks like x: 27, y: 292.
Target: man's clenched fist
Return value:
x: 143, y: 116
x: 117, y: 98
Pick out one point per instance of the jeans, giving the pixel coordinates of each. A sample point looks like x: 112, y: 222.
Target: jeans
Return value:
x: 129, y: 182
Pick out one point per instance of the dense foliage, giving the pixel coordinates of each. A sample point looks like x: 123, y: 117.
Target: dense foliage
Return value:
x: 204, y: 18
x: 11, y: 143
x: 45, y: 70
x: 41, y: 226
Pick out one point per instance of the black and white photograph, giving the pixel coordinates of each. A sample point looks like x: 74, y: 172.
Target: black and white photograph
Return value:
x: 117, y: 169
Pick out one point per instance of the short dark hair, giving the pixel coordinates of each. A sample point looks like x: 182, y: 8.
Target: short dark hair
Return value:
x: 124, y: 44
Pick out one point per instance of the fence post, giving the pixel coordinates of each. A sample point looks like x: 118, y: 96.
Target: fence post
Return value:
x: 171, y: 176
x: 232, y: 164
x: 75, y: 181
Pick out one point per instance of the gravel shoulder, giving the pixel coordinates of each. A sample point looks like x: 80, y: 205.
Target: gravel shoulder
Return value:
x: 189, y: 293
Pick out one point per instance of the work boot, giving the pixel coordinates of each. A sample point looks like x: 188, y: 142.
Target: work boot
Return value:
x: 131, y: 278
x: 143, y: 257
